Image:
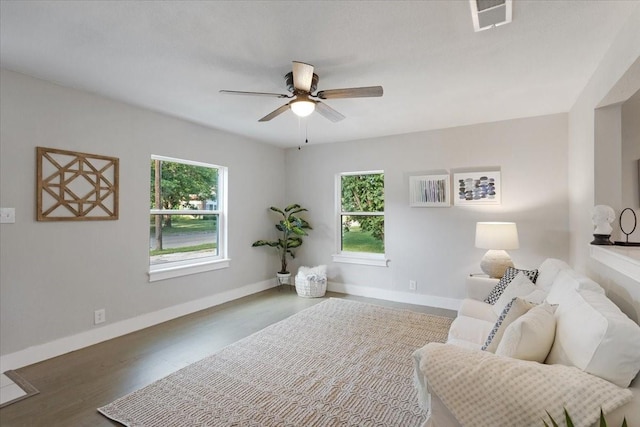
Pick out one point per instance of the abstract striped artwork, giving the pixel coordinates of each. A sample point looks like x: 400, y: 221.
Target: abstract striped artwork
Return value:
x: 429, y: 191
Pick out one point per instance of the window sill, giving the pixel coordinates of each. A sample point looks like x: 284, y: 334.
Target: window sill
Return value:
x: 170, y: 271
x: 362, y: 259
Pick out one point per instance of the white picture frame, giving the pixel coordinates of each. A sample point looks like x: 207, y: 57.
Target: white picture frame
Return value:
x: 477, y: 188
x: 430, y: 191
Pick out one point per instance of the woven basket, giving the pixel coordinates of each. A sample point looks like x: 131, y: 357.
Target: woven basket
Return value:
x: 311, y: 287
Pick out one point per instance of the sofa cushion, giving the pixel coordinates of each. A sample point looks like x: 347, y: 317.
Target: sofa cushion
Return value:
x: 568, y: 281
x: 482, y: 389
x: 463, y: 343
x: 477, y: 310
x: 530, y: 336
x: 516, y: 308
x: 593, y: 335
x: 548, y: 271
x: 509, y: 274
x: 518, y: 287
x: 470, y: 330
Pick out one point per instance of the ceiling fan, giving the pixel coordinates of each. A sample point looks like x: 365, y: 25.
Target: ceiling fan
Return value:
x: 302, y: 82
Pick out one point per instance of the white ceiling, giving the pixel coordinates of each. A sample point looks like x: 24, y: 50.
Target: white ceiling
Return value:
x: 174, y: 57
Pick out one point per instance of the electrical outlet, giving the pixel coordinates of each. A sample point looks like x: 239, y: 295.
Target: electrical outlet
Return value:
x: 7, y: 215
x: 99, y: 316
x: 413, y: 285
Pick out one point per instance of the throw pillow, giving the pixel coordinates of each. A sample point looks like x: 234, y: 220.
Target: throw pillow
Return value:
x: 567, y: 282
x: 509, y: 274
x: 536, y: 297
x: 594, y: 335
x: 519, y: 287
x: 516, y: 308
x: 548, y: 271
x: 530, y: 336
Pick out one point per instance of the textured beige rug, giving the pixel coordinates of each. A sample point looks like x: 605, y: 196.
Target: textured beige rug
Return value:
x: 339, y: 362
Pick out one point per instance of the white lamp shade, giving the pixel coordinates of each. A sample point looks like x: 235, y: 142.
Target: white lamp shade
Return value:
x: 497, y: 235
x: 302, y: 108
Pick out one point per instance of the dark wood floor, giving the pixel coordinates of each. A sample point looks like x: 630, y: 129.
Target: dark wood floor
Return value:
x: 73, y: 385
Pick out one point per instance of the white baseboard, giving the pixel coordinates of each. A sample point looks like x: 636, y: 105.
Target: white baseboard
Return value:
x: 405, y: 297
x: 41, y: 352
x: 64, y: 345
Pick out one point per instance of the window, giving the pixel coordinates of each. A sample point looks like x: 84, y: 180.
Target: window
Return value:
x: 187, y: 226
x: 360, y: 201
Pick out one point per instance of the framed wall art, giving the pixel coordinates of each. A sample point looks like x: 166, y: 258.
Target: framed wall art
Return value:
x: 477, y: 188
x: 430, y: 191
x: 74, y: 186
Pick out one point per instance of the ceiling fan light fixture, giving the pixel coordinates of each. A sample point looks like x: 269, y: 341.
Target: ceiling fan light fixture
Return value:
x: 303, y: 108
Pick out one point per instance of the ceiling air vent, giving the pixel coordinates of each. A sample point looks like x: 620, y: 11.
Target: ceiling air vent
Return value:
x: 490, y: 13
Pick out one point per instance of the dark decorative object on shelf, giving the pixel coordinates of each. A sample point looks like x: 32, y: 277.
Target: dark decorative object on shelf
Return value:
x: 602, y: 217
x: 635, y: 223
x: 601, y: 239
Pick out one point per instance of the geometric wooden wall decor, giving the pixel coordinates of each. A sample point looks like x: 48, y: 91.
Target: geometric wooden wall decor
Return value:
x: 74, y: 186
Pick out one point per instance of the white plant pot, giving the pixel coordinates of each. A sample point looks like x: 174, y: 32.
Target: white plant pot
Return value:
x: 284, y: 278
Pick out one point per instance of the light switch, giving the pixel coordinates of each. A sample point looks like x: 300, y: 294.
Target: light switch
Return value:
x: 7, y: 215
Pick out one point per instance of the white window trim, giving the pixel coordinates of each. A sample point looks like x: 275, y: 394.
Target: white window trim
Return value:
x: 198, y: 265
x: 185, y: 162
x: 184, y: 212
x: 361, y: 258
x: 184, y: 268
x: 376, y: 260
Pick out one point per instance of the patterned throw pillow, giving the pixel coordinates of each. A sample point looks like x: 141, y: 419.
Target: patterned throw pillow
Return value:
x: 519, y: 287
x: 509, y: 274
x: 516, y: 308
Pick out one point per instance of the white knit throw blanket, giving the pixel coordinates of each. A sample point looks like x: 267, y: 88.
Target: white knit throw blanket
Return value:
x: 482, y: 389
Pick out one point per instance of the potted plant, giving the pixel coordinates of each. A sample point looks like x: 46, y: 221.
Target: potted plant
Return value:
x: 569, y: 421
x: 291, y: 228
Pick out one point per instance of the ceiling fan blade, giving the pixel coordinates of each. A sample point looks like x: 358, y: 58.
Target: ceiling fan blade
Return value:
x: 328, y: 112
x: 352, y: 92
x: 302, y: 76
x: 275, y: 113
x: 237, y: 92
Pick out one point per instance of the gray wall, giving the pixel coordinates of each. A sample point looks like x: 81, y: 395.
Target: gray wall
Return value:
x: 616, y: 156
x: 53, y: 275
x: 631, y: 156
x: 435, y: 246
x: 615, y: 80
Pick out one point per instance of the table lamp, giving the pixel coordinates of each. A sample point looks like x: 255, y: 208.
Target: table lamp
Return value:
x: 496, y: 237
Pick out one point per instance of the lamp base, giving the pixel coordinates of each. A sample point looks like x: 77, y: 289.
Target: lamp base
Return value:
x: 495, y: 262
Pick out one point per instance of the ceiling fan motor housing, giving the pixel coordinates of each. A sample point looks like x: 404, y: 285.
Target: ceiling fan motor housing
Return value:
x: 288, y: 78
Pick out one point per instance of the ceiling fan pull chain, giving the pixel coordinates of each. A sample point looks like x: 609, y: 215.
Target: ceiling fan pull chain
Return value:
x: 306, y: 131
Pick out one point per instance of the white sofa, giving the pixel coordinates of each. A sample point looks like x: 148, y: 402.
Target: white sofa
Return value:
x: 575, y: 350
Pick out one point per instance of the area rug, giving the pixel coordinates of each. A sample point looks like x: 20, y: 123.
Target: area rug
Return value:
x: 339, y: 362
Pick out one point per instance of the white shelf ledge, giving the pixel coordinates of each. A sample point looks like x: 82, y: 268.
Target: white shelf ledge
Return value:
x: 623, y: 259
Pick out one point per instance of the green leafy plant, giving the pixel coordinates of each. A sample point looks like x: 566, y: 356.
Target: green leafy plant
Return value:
x: 291, y: 228
x: 567, y: 418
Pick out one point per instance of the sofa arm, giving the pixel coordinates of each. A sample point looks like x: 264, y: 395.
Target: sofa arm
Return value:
x: 479, y: 287
x: 483, y: 389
